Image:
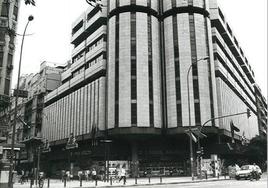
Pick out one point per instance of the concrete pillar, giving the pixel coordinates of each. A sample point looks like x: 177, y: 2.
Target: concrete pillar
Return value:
x: 134, y: 158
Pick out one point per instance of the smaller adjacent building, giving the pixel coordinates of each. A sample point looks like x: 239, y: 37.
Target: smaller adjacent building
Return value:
x: 30, y: 110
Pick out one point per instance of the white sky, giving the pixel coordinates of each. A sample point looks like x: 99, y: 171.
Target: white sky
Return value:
x: 51, y: 30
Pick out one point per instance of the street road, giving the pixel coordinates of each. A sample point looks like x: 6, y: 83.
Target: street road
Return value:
x: 262, y: 183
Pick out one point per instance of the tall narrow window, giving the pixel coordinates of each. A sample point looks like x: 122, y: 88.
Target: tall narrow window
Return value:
x: 194, y: 70
x: 173, y: 3
x: 190, y: 2
x: 116, y: 111
x: 134, y: 114
x: 177, y: 68
x: 209, y: 74
x: 1, y: 58
x: 117, y: 3
x: 7, y: 86
x: 5, y: 8
x: 149, y: 3
x: 133, y: 67
x: 150, y: 70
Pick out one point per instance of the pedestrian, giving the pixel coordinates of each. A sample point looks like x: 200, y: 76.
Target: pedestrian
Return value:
x: 87, y: 172
x: 68, y: 175
x: 63, y: 175
x: 123, y: 175
x: 94, y: 174
x: 254, y: 171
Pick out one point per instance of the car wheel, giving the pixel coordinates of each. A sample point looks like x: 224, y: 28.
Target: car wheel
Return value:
x: 237, y: 178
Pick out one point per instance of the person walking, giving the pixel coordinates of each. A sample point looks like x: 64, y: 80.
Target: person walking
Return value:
x: 94, y: 174
x: 123, y: 175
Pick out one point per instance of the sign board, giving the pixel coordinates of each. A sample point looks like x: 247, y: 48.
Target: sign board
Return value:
x: 21, y: 93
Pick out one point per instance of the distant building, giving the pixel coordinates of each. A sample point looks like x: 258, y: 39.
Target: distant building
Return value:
x: 30, y: 110
x: 127, y: 82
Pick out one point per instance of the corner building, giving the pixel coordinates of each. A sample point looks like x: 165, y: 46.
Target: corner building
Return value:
x: 128, y: 83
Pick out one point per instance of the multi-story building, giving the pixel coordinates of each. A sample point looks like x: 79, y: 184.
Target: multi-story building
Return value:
x: 8, y: 27
x: 136, y: 95
x: 30, y: 109
x: 78, y: 105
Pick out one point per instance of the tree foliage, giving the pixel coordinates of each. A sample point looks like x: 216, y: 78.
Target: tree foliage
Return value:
x: 256, y: 151
x: 94, y: 3
x: 29, y: 2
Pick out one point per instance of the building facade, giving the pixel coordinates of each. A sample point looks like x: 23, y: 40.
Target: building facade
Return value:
x: 127, y: 82
x: 261, y: 111
x: 30, y: 111
x: 8, y: 27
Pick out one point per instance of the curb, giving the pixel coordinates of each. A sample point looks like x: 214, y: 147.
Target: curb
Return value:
x: 166, y: 183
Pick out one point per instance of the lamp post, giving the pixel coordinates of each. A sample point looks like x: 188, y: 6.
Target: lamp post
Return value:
x: 189, y: 111
x: 11, y: 168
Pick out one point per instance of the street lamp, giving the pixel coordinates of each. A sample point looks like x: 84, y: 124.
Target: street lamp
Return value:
x: 11, y: 168
x: 189, y: 110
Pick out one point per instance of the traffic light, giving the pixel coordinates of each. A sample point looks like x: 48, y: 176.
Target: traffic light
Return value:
x: 248, y: 112
x: 202, y: 150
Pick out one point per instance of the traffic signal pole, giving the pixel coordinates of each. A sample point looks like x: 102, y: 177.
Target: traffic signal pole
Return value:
x: 220, y: 117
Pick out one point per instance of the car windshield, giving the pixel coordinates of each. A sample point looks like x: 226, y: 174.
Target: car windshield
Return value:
x: 246, y: 167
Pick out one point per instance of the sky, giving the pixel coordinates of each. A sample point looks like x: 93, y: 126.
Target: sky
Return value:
x: 50, y: 33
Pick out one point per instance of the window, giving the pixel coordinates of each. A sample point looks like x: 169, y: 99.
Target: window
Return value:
x: 77, y: 27
x: 151, y: 115
x: 133, y: 53
x: 117, y: 69
x: 1, y: 59
x: 15, y: 13
x: 133, y: 88
x: 5, y: 8
x: 194, y: 68
x: 134, y: 114
x: 2, y: 34
x: 7, y: 87
x: 117, y: 3
x: 149, y: 3
x: 173, y: 3
x: 179, y: 114
x: 92, y: 13
x: 196, y: 89
x: 197, y: 114
x: 177, y: 66
x: 178, y: 89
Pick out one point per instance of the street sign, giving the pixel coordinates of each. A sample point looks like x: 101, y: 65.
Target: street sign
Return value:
x: 21, y: 93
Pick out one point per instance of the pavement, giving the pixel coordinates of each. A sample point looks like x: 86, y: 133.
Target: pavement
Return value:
x: 131, y: 182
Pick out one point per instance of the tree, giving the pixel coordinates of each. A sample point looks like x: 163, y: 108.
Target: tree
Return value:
x: 256, y: 151
x: 94, y: 3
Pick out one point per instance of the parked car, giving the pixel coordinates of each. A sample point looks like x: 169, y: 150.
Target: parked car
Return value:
x: 245, y: 172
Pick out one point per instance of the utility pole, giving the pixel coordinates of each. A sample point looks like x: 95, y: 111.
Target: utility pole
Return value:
x: 12, y: 154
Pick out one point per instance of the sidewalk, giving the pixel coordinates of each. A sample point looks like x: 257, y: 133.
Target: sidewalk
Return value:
x: 130, y: 182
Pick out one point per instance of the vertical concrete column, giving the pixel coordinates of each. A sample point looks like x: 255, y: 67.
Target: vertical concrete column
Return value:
x: 134, y: 158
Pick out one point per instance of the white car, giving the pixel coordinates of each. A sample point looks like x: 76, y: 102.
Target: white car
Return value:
x: 245, y: 171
